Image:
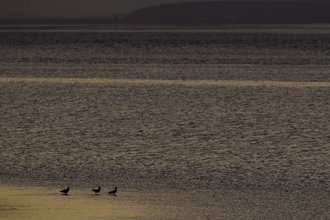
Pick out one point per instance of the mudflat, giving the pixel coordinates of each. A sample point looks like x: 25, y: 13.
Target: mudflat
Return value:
x: 187, y: 124
x: 26, y: 202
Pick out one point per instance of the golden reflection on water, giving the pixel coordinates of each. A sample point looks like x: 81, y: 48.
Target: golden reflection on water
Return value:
x: 38, y: 203
x: 166, y: 82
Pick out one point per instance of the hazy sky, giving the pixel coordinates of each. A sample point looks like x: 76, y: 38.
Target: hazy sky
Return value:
x: 74, y: 8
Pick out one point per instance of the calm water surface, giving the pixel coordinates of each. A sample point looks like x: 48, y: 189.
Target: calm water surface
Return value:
x: 178, y: 111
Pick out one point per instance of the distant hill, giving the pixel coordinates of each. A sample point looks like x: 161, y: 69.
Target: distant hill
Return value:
x: 233, y: 12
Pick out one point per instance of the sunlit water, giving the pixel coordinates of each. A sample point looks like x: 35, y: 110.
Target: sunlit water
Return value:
x: 224, y: 114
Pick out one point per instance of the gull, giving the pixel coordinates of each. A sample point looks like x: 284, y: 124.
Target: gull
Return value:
x: 65, y: 191
x: 97, y: 190
x: 113, y: 191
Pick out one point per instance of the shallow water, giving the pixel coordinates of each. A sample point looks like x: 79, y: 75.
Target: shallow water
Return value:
x: 166, y: 134
x: 47, y: 203
x: 162, y: 115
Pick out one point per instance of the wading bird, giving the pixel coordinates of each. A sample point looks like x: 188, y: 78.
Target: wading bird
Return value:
x: 97, y: 190
x: 113, y: 191
x: 65, y: 191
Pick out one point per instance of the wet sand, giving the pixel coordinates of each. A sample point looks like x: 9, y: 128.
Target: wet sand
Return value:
x: 202, y: 126
x: 48, y: 203
x: 27, y: 202
x: 264, y: 162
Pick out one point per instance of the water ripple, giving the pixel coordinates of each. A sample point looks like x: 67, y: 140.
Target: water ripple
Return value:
x: 166, y: 82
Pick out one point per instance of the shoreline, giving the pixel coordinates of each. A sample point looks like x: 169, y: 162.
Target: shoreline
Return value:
x: 316, y: 28
x: 32, y: 202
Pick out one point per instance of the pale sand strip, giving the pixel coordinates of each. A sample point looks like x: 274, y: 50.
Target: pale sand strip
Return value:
x: 238, y: 83
x: 18, y: 203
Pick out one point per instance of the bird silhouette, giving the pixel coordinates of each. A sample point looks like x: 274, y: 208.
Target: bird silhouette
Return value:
x: 113, y: 191
x: 65, y: 191
x: 97, y: 190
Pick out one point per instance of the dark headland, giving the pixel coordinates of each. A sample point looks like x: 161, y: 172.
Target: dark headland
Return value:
x: 210, y: 13
x: 234, y: 12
